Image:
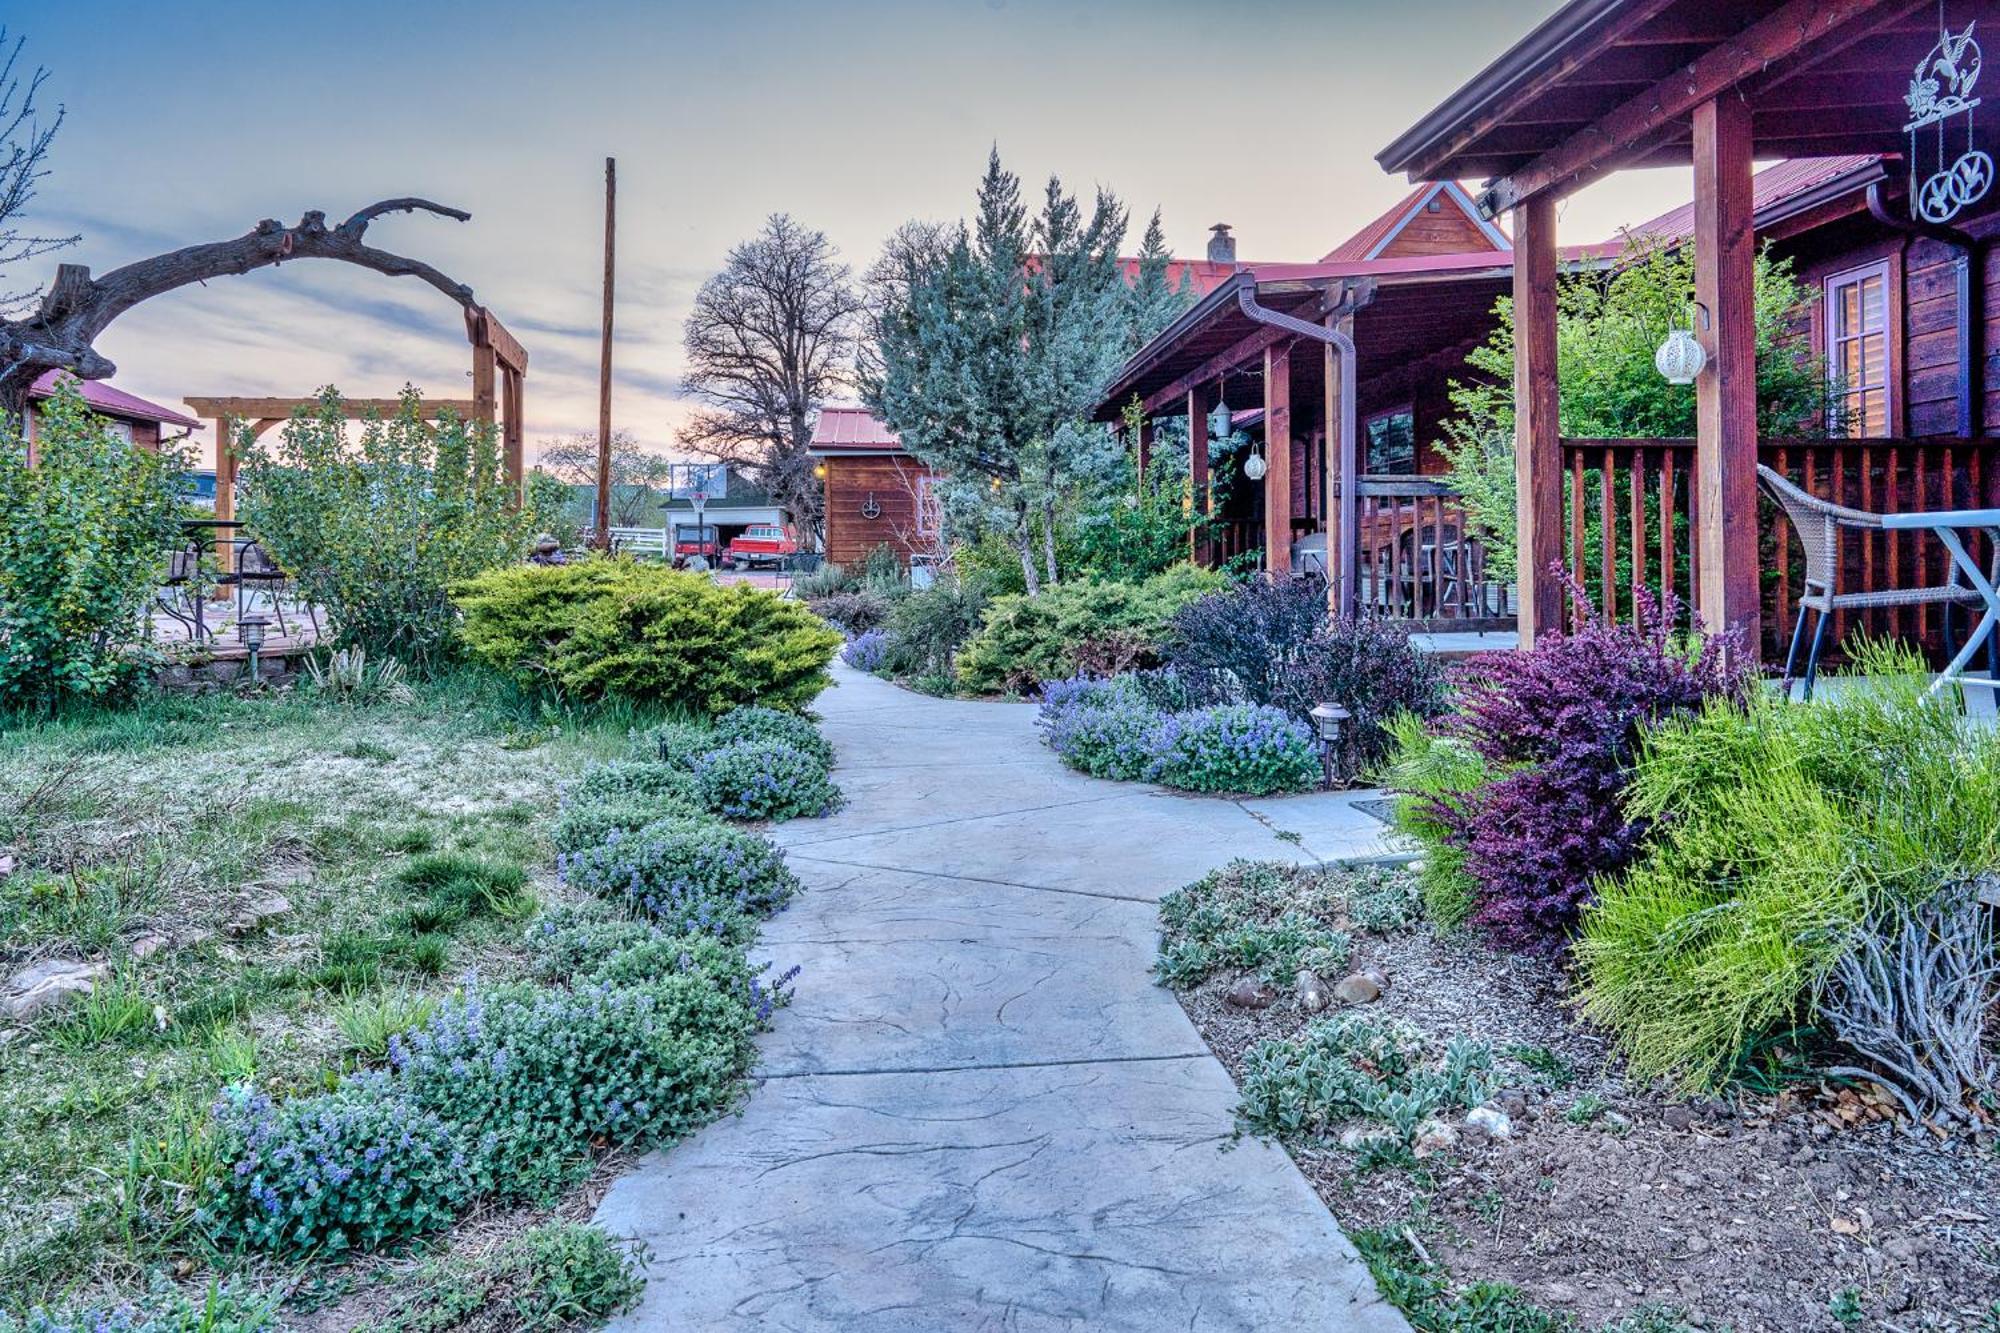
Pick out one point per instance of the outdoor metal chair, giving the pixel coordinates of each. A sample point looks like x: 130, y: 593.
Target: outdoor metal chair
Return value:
x: 257, y: 571
x: 1819, y: 524
x: 181, y: 595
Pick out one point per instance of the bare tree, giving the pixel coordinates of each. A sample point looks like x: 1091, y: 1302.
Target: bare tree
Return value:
x: 770, y: 339
x: 639, y: 478
x: 24, y: 149
x: 76, y: 308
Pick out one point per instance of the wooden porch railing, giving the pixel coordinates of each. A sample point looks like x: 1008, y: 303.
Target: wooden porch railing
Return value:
x: 1631, y: 513
x: 1421, y: 558
x: 1229, y: 538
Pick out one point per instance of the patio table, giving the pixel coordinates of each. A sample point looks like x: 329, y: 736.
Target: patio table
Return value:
x: 1947, y: 524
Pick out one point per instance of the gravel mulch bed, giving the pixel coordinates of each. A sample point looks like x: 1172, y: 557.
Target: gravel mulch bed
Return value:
x: 1814, y: 1209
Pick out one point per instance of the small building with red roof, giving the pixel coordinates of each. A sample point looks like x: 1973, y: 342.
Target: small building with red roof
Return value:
x: 877, y: 493
x: 132, y: 417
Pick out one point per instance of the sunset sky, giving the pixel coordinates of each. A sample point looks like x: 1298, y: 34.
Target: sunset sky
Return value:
x: 189, y: 121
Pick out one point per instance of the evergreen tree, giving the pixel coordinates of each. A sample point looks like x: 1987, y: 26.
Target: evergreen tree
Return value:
x: 988, y: 365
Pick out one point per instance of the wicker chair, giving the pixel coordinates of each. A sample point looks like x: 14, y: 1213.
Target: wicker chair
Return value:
x: 1819, y: 523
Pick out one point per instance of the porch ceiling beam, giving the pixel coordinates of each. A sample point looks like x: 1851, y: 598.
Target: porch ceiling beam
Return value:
x: 1792, y: 30
x: 1241, y: 350
x: 1425, y: 163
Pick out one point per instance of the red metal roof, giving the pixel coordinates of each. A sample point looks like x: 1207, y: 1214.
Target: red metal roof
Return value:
x: 113, y: 402
x: 852, y: 430
x: 1769, y: 188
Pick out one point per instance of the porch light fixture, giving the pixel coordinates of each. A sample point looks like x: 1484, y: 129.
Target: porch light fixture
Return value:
x: 1254, y: 467
x: 819, y: 471
x: 1680, y: 357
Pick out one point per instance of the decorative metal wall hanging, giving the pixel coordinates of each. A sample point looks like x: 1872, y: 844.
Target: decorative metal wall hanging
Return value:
x: 871, y: 508
x: 1941, y: 89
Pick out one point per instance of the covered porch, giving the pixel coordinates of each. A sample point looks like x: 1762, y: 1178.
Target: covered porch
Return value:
x: 1609, y: 84
x: 1330, y: 380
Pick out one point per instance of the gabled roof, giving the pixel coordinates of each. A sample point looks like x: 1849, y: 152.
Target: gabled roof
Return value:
x: 112, y: 402
x: 852, y: 430
x: 1378, y: 238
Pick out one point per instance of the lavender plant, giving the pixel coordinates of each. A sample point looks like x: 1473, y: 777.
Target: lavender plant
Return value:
x: 1236, y: 748
x: 768, y: 724
x: 867, y: 651
x: 764, y: 779
x: 344, y: 1170
x: 689, y: 879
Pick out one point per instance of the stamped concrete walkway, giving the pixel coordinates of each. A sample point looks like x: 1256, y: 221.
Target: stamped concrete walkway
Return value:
x: 980, y: 1112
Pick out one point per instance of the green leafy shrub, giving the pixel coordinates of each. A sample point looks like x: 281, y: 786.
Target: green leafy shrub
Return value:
x: 1236, y: 748
x: 755, y: 723
x: 927, y: 628
x: 604, y: 628
x: 220, y: 1307
x: 1353, y: 1067
x: 557, y: 1275
x: 86, y: 532
x: 1076, y: 627
x: 765, y: 780
x: 623, y: 779
x: 690, y: 879
x: 528, y: 1076
x: 1781, y: 830
x: 1253, y: 915
x: 343, y: 1170
x: 377, y: 530
x: 584, y: 824
x: 677, y: 743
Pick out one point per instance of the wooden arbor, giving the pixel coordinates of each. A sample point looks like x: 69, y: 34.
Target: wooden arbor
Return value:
x: 1605, y: 84
x: 499, y: 370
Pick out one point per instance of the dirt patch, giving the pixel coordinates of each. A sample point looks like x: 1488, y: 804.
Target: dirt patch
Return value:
x: 1815, y: 1209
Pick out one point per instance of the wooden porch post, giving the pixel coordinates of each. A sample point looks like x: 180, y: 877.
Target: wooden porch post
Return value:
x: 1200, y: 502
x: 1725, y: 456
x: 225, y: 494
x: 1278, y: 458
x: 1343, y: 563
x: 1537, y: 432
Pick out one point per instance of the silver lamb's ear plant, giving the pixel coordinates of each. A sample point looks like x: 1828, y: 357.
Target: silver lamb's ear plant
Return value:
x: 1911, y: 996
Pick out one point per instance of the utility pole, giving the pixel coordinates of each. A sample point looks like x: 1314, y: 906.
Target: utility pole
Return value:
x: 603, y: 516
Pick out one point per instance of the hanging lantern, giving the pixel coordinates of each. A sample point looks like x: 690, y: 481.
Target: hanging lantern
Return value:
x: 1254, y: 467
x: 1680, y: 357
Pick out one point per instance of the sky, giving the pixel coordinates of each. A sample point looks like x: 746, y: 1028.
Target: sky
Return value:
x: 189, y: 122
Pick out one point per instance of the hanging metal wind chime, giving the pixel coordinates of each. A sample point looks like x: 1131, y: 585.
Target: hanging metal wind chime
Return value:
x: 1941, y: 89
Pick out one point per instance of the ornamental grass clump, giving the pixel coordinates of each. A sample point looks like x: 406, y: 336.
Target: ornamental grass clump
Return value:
x: 1556, y: 730
x: 764, y: 779
x: 690, y: 879
x: 350, y: 1169
x: 1786, y: 838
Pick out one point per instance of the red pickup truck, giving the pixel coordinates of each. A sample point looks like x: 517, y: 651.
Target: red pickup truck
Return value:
x: 762, y: 544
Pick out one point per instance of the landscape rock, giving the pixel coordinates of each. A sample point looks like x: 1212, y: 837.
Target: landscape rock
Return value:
x: 257, y: 912
x: 1433, y: 1137
x: 1356, y: 1137
x: 1357, y: 989
x: 51, y: 981
x: 1378, y: 976
x: 148, y: 944
x: 1252, y: 993
x: 1490, y: 1120
x: 1311, y: 991
x: 1678, y: 1117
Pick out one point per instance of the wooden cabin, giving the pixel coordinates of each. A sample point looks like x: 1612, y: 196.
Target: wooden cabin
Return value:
x: 877, y: 494
x: 1908, y: 299
x: 131, y: 417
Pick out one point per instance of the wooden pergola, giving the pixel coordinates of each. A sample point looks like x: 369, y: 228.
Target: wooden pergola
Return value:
x: 1608, y: 84
x: 499, y: 371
